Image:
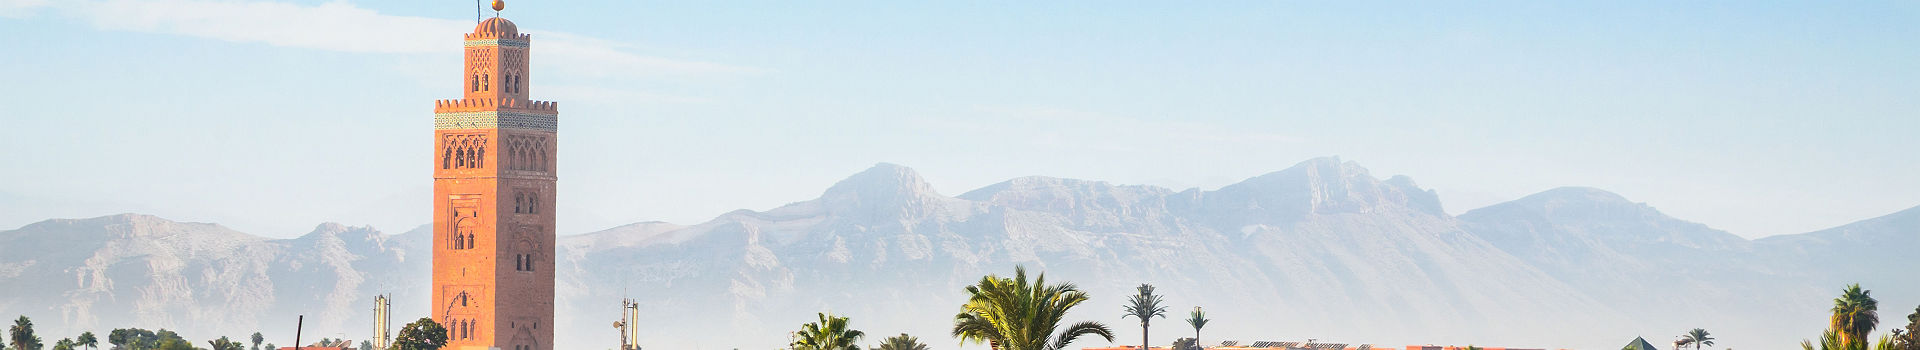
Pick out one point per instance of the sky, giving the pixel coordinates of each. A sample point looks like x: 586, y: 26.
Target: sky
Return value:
x: 270, y: 117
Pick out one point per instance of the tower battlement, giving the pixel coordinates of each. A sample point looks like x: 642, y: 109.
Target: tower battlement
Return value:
x: 477, y: 104
x: 500, y: 36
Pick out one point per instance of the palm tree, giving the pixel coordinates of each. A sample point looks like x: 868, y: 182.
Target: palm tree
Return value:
x: 1828, y: 341
x: 1197, y: 319
x: 902, y: 342
x: 225, y: 344
x: 1855, y: 314
x: 1698, y: 337
x: 1145, y: 306
x: 1015, y: 314
x: 830, y: 333
x: 257, y: 339
x: 87, y: 339
x: 64, y: 344
x: 22, y: 332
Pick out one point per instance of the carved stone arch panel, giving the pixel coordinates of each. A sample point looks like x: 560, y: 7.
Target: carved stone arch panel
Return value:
x: 523, y: 337
x: 540, y: 154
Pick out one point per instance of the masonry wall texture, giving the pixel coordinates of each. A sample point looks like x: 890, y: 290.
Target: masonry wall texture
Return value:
x: 493, y: 195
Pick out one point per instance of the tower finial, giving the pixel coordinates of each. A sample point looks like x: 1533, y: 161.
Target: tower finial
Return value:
x: 497, y: 6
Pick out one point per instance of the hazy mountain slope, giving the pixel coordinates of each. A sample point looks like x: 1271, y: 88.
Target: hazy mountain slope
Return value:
x: 1879, y: 253
x: 1669, y: 273
x: 1596, y: 240
x: 200, y: 279
x: 1323, y: 238
x: 1322, y: 249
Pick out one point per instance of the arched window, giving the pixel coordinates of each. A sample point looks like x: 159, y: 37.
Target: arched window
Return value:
x: 517, y: 199
x: 476, y: 82
x: 519, y: 154
x: 446, y: 160
x: 480, y: 157
x: 485, y: 83
x: 470, y: 241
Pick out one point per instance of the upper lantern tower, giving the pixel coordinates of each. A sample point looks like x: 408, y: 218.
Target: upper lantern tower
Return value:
x: 496, y: 61
x: 494, y: 172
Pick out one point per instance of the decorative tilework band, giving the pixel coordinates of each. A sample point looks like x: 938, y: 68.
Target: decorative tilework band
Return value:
x: 496, y: 42
x: 495, y: 119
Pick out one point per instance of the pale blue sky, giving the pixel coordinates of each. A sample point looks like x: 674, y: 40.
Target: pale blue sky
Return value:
x: 271, y: 117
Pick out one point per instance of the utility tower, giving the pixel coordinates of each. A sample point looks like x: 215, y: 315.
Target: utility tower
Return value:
x: 382, y: 322
x: 629, y: 333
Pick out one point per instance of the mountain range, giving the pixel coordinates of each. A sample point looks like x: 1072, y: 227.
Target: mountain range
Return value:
x: 1322, y: 249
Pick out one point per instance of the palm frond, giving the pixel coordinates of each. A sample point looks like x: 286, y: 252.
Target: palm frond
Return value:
x: 1078, y: 330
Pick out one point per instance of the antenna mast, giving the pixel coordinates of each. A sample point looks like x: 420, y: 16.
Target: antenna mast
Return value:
x: 477, y: 6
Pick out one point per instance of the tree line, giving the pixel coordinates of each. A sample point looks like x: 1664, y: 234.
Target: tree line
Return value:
x: 1005, y: 313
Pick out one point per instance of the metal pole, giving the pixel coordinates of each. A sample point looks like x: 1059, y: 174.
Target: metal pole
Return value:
x: 301, y: 323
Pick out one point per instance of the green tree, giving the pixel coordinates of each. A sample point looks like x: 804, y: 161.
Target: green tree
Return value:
x: 87, y: 339
x: 162, y: 337
x: 1145, y: 306
x: 1698, y: 337
x: 423, y: 334
x: 22, y: 334
x: 1015, y: 314
x: 173, y: 343
x: 137, y: 339
x: 1855, y: 314
x: 902, y: 342
x: 1186, y: 344
x: 1908, y: 338
x: 270, y: 346
x: 1197, y: 319
x: 225, y: 344
x: 64, y: 344
x: 829, y: 333
x: 257, y: 338
x: 117, y: 338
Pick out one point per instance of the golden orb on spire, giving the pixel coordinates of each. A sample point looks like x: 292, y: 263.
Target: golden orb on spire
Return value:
x: 499, y: 5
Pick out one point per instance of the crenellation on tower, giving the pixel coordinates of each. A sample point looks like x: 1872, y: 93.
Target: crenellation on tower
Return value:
x: 472, y: 104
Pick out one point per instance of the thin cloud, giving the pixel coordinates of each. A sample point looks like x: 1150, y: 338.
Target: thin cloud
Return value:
x: 341, y: 26
x: 20, y: 8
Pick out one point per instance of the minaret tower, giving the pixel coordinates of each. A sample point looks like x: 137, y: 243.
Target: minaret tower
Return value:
x: 493, y: 196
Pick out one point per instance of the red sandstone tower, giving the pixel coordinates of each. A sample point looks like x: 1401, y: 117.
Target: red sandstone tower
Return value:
x: 493, y: 190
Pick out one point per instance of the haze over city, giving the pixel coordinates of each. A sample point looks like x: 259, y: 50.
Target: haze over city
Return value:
x: 1759, y: 119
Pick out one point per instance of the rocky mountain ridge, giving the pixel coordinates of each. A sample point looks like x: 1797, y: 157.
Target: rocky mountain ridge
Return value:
x: 1322, y: 249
